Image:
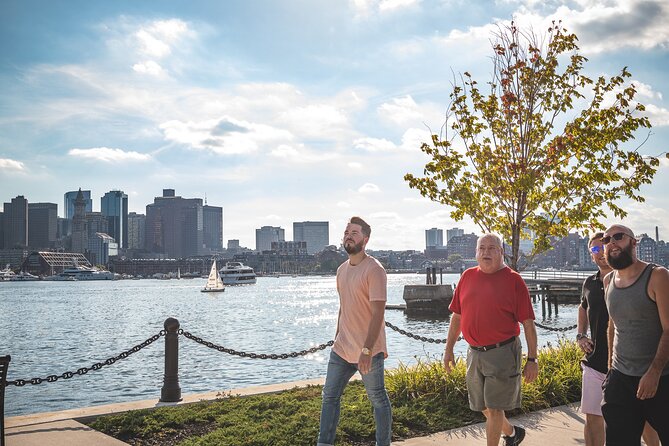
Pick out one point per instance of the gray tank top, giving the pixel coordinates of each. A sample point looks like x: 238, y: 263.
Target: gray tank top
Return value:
x: 638, y: 327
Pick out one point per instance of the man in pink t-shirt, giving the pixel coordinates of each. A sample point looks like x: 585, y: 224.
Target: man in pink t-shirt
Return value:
x: 488, y: 304
x: 360, y: 340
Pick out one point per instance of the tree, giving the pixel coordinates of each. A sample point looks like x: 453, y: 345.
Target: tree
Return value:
x: 523, y: 167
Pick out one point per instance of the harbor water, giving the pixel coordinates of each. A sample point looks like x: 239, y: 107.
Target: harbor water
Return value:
x: 54, y: 327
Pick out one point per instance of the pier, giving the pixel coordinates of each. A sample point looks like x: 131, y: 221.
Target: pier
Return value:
x: 555, y: 287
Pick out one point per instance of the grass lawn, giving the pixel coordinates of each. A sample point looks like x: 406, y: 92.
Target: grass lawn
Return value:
x: 424, y: 399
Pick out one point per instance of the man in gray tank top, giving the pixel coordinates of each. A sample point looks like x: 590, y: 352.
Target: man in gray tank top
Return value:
x: 636, y: 388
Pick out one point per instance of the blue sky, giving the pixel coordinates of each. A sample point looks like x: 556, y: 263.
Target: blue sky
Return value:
x: 280, y: 111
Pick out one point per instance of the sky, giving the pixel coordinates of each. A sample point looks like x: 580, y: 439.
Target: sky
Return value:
x: 282, y: 111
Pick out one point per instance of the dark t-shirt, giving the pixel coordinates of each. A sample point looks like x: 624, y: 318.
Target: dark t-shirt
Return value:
x: 592, y: 300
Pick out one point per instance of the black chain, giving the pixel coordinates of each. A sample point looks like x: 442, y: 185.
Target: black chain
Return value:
x: 84, y: 370
x: 420, y: 338
x: 546, y: 327
x: 254, y: 355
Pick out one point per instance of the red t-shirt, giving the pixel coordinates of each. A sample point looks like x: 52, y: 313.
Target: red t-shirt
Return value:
x: 491, y: 305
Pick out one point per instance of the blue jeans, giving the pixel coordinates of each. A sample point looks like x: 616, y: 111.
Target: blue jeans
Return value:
x: 338, y: 375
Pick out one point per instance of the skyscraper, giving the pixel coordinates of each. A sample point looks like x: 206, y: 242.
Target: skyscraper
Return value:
x: 315, y: 233
x: 68, y: 208
x: 268, y: 234
x: 213, y: 227
x: 42, y: 225
x: 454, y: 232
x: 136, y: 230
x: 114, y: 206
x: 79, y: 227
x: 174, y: 225
x: 15, y: 223
x: 434, y: 238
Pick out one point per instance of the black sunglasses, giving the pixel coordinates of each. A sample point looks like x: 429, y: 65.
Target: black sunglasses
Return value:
x: 617, y: 236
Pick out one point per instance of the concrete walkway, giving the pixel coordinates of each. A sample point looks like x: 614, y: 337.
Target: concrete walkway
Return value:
x: 558, y: 426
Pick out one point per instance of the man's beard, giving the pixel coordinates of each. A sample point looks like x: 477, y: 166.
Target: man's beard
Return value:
x: 623, y: 260
x: 353, y: 249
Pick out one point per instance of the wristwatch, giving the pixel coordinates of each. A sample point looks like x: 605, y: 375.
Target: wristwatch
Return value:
x: 580, y: 336
x: 530, y: 359
x: 366, y: 351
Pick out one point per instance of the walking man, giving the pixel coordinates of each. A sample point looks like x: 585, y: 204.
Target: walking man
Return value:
x: 592, y: 314
x: 360, y: 340
x: 636, y: 389
x: 489, y: 302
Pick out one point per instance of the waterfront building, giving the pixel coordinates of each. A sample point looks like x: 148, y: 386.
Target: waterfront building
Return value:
x: 136, y: 230
x: 434, y: 238
x: 212, y: 228
x: 290, y: 248
x: 48, y: 263
x: 101, y: 247
x: 42, y: 225
x: 174, y: 225
x: 266, y: 235
x: 114, y: 207
x: 464, y: 245
x: 646, y: 249
x: 79, y: 228
x: 2, y: 230
x: 453, y: 232
x: 315, y: 233
x: 70, y: 197
x: 15, y: 223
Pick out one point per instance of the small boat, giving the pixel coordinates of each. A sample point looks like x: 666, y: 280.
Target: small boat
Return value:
x: 236, y: 273
x: 214, y: 282
x: 24, y: 276
x: 7, y: 274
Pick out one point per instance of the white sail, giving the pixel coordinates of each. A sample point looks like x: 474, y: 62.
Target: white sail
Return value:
x: 214, y: 282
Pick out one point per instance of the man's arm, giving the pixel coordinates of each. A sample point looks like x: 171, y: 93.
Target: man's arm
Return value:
x: 378, y: 310
x: 531, y: 369
x: 582, y: 328
x: 451, y: 339
x: 658, y: 290
x: 611, y: 330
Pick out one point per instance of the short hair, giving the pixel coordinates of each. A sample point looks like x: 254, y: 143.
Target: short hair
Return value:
x: 595, y: 236
x: 495, y: 237
x: 366, y: 229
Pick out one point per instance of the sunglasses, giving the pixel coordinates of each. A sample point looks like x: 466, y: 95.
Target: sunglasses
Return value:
x: 617, y: 236
x: 597, y: 249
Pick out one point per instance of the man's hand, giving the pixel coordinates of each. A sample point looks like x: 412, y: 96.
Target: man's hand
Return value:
x: 530, y: 371
x: 648, y: 385
x: 364, y: 363
x: 449, y: 360
x: 586, y: 345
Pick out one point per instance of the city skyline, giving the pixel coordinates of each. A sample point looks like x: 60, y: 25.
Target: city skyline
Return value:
x: 281, y: 112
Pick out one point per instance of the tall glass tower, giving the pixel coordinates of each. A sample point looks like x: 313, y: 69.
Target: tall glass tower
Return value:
x: 114, y: 206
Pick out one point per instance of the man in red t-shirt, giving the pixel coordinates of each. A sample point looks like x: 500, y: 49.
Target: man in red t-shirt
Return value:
x: 488, y: 304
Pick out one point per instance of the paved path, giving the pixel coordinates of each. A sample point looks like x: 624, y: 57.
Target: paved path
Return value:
x: 558, y: 426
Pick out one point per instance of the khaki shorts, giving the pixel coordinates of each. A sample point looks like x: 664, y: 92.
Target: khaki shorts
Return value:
x: 494, y: 377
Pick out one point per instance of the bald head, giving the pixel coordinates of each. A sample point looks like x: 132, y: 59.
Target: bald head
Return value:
x: 619, y: 228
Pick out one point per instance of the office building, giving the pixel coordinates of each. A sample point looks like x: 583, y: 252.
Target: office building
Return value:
x: 68, y: 208
x: 101, y: 247
x: 42, y: 225
x: 454, y: 232
x: 315, y: 233
x: 114, y: 207
x: 79, y: 227
x: 434, y: 238
x: 266, y: 235
x: 136, y: 230
x: 464, y: 245
x: 174, y: 226
x: 15, y: 223
x: 290, y: 248
x: 212, y: 228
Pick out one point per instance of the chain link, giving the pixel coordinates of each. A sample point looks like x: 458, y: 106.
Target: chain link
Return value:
x: 254, y: 355
x: 85, y: 370
x: 546, y: 327
x: 414, y: 336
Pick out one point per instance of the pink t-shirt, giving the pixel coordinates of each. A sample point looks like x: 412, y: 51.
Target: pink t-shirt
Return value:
x: 358, y: 286
x: 491, y: 305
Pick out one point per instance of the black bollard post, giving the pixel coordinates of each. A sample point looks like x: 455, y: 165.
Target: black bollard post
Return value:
x: 434, y: 275
x: 171, y: 391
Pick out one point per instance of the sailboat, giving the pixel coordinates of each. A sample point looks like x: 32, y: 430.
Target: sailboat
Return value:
x: 214, y: 282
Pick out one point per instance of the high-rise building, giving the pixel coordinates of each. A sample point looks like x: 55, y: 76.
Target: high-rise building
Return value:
x: 465, y: 245
x: 212, y: 227
x: 15, y: 224
x: 2, y: 230
x: 450, y: 233
x: 68, y: 208
x: 268, y: 234
x: 136, y: 230
x: 434, y: 238
x: 42, y: 225
x: 79, y: 226
x: 174, y: 225
x: 114, y: 206
x: 315, y: 233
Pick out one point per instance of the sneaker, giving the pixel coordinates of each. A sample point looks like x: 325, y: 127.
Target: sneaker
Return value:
x: 517, y: 437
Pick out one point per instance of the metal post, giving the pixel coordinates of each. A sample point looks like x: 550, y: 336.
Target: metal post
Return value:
x: 441, y: 276
x: 434, y: 275
x: 543, y: 302
x: 171, y: 391
x: 427, y: 276
x: 549, y: 299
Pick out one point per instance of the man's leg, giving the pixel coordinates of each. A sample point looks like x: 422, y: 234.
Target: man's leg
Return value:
x: 623, y: 412
x: 338, y: 374
x: 495, y: 419
x: 376, y: 391
x: 650, y: 436
x: 594, y: 430
x: 591, y: 406
x: 656, y: 411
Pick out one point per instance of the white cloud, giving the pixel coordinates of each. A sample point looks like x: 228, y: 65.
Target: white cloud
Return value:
x: 374, y: 144
x: 647, y: 91
x: 343, y: 204
x: 401, y: 110
x: 368, y: 188
x: 659, y: 116
x: 365, y: 8
x: 149, y: 67
x: 109, y: 155
x: 156, y: 39
x: 354, y: 165
x: 393, y: 5
x: 10, y: 165
x: 315, y: 120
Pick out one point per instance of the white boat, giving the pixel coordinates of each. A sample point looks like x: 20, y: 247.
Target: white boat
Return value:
x: 214, y: 282
x: 236, y: 273
x: 6, y: 274
x: 78, y: 272
x: 24, y: 276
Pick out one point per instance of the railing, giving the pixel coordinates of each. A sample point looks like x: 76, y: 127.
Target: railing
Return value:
x: 556, y: 275
x: 171, y: 390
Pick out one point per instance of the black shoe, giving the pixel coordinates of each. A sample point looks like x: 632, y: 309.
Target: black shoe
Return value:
x: 517, y: 437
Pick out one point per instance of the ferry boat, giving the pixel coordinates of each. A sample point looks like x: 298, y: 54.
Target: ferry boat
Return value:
x: 236, y: 273
x: 78, y: 272
x: 7, y: 274
x: 24, y: 276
